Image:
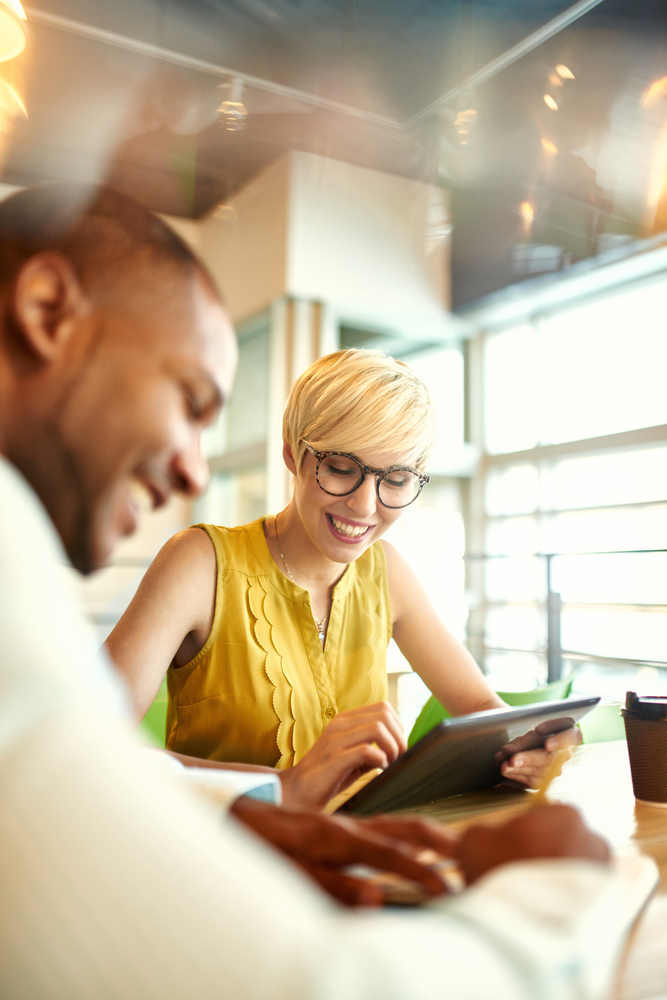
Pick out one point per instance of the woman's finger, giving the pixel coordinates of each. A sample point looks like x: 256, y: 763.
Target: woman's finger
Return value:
x: 381, y: 714
x: 368, y: 732
x: 564, y: 740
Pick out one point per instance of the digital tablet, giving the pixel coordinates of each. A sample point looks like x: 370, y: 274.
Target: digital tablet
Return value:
x: 458, y: 755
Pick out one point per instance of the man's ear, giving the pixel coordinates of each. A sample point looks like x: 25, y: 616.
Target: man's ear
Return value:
x: 288, y: 458
x: 46, y: 301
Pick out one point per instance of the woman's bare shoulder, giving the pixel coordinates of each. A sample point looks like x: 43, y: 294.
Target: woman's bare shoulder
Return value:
x: 189, y: 552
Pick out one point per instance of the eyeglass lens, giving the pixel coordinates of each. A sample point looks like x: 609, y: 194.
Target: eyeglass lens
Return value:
x: 340, y: 475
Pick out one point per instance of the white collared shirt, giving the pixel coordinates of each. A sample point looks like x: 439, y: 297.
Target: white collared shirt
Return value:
x: 117, y: 883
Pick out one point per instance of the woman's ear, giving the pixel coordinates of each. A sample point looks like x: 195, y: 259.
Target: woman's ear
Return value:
x: 288, y: 458
x: 46, y: 302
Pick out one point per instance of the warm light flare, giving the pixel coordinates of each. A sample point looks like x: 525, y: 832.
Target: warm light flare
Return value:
x: 10, y: 99
x: 549, y: 146
x: 550, y: 103
x: 565, y: 73
x: 528, y: 212
x: 16, y: 8
x: 12, y: 35
x: 657, y: 89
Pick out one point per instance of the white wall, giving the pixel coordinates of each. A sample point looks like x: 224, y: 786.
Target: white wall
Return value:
x: 247, y: 253
x: 359, y: 241
x: 360, y: 237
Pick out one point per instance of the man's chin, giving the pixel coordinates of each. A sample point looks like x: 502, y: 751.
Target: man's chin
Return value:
x: 88, y: 553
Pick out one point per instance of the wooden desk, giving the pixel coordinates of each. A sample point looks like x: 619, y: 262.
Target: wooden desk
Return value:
x: 596, y: 781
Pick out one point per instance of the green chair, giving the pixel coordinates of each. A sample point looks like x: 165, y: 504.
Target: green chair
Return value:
x: 433, y: 712
x: 603, y: 724
x: 153, y: 726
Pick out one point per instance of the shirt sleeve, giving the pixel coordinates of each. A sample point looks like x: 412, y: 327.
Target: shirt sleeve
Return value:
x: 221, y: 785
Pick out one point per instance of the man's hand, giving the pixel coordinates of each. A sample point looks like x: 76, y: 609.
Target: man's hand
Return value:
x: 324, y: 846
x: 354, y: 742
x: 524, y: 761
x: 554, y: 831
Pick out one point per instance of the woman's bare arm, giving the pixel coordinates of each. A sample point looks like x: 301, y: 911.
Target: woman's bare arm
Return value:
x: 169, y: 618
x: 432, y: 651
x: 452, y: 674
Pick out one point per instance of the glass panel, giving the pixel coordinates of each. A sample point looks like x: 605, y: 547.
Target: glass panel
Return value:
x: 630, y: 476
x: 611, y: 681
x: 597, y: 530
x: 515, y: 579
x: 430, y: 535
x: 512, y: 536
x: 639, y: 635
x: 512, y: 489
x: 515, y: 671
x: 442, y: 373
x: 234, y: 499
x: 612, y: 579
x: 412, y: 696
x: 247, y: 412
x: 243, y: 421
x: 511, y: 390
x: 515, y: 627
x: 597, y: 378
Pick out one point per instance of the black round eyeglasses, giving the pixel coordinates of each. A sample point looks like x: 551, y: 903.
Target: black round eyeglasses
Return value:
x: 340, y: 474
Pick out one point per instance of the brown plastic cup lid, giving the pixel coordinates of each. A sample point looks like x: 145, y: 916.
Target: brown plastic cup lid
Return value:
x: 646, y: 707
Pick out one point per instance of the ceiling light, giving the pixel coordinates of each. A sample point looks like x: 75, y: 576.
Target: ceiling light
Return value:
x: 548, y: 146
x: 565, y: 73
x: 12, y: 34
x: 233, y: 111
x: 550, y: 103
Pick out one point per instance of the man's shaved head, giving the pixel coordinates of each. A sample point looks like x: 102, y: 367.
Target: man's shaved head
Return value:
x: 115, y: 353
x: 103, y: 233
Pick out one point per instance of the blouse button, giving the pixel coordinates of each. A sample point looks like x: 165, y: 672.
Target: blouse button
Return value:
x: 330, y: 712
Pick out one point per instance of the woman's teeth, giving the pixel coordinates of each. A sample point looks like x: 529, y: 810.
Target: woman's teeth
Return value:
x: 348, y: 529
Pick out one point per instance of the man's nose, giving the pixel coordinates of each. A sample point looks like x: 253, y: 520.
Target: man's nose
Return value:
x: 363, y: 501
x: 189, y: 469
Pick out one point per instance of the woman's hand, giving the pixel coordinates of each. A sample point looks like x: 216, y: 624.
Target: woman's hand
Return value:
x: 354, y: 742
x: 525, y: 760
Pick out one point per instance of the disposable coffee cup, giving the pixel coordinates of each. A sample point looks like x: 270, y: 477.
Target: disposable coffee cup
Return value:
x: 646, y: 729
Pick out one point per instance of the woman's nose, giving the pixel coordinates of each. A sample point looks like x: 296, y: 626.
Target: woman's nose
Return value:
x: 363, y: 501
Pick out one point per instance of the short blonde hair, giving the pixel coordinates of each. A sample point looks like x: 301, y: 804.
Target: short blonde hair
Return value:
x: 359, y: 401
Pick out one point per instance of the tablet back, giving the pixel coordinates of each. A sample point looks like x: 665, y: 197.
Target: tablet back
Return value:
x: 457, y: 756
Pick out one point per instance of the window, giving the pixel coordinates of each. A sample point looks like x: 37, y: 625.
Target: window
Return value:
x: 582, y: 509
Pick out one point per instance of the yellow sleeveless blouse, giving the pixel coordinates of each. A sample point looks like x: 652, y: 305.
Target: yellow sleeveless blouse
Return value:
x: 262, y: 689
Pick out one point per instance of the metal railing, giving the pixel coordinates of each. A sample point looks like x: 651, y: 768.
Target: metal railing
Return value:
x: 553, y: 606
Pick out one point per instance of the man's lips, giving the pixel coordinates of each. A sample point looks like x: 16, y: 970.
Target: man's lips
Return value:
x: 358, y: 530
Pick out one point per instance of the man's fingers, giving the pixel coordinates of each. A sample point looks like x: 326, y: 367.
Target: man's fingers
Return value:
x: 413, y: 831
x: 380, y: 854
x: 344, y: 888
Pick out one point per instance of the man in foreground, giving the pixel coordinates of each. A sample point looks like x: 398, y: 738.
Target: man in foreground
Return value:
x: 115, y: 352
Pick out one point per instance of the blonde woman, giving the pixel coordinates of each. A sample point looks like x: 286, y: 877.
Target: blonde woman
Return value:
x: 274, y: 635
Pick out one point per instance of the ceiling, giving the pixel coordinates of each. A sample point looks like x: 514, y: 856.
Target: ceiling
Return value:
x: 128, y: 91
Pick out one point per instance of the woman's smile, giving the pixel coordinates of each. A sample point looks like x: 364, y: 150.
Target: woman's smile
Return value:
x: 346, y: 530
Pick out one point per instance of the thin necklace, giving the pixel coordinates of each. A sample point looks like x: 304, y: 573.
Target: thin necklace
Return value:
x: 319, y: 622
